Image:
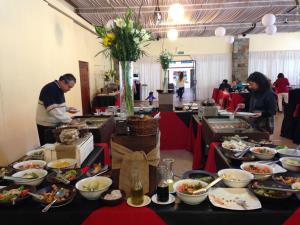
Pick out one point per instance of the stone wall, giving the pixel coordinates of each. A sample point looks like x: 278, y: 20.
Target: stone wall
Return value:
x: 240, y: 57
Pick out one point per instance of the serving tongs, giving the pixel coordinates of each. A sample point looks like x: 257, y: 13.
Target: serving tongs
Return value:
x: 203, y: 190
x: 255, y: 185
x: 60, y: 177
x: 20, y: 179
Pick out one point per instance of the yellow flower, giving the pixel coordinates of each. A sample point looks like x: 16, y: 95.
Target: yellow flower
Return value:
x: 106, y: 41
x: 111, y: 36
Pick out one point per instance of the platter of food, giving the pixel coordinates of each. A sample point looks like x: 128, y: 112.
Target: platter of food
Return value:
x: 68, y: 175
x: 234, y: 145
x: 259, y: 170
x: 291, y: 163
x: 288, y: 178
x: 199, y: 175
x: 268, y: 194
x: 264, y: 153
x: 14, y: 194
x: 48, y: 194
x: 36, y: 154
x: 29, y: 164
x: 62, y: 164
x: 234, y: 199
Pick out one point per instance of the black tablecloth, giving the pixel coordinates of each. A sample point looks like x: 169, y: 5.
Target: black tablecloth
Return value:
x: 203, y: 214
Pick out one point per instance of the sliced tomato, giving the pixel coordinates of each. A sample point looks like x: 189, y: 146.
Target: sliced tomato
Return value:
x: 24, y: 192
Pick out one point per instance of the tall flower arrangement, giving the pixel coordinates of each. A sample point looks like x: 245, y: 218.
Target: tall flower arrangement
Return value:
x: 165, y: 59
x: 124, y: 40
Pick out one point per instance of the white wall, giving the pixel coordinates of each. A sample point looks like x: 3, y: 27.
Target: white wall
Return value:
x: 38, y: 44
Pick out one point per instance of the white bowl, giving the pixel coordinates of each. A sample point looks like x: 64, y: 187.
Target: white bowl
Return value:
x: 190, y: 199
x: 39, y: 156
x: 93, y: 195
x: 70, y: 164
x: 33, y: 182
x: 259, y: 176
x: 285, y: 163
x: 297, y: 187
x: 30, y: 164
x: 263, y: 155
x: 236, y: 178
x: 289, y: 152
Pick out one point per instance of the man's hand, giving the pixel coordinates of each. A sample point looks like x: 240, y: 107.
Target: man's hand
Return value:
x: 72, y: 110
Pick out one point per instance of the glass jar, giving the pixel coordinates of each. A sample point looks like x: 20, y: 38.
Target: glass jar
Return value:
x: 170, y: 174
x: 137, y: 196
x: 162, y: 189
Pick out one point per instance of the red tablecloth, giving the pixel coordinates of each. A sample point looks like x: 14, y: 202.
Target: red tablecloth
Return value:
x: 174, y: 132
x: 293, y: 219
x: 210, y: 164
x: 125, y: 215
x: 177, y: 135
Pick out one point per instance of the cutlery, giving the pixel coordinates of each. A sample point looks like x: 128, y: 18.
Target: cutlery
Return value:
x: 203, y: 190
x: 242, y: 153
x: 40, y: 197
x: 60, y: 193
x: 104, y: 170
x: 242, y: 203
x: 60, y: 177
x: 255, y: 185
x: 17, y: 178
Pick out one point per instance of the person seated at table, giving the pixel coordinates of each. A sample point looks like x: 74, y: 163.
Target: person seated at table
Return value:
x: 224, y: 95
x: 262, y: 102
x: 150, y: 97
x: 282, y: 90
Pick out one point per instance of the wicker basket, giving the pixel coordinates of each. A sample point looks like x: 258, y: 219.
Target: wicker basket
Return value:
x: 142, y: 126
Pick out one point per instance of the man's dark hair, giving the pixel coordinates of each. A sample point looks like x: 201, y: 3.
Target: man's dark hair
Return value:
x: 280, y: 75
x: 68, y: 77
x: 261, y: 81
x: 225, y: 81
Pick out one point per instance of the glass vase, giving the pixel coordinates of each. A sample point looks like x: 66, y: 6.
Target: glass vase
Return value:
x: 126, y: 93
x: 165, y: 84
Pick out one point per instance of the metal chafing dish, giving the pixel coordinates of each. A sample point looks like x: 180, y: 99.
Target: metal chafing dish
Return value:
x: 214, y: 128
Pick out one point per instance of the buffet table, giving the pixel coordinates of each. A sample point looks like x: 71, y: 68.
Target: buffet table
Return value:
x: 180, y: 131
x: 79, y: 209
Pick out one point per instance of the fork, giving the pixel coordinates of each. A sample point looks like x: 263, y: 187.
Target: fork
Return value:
x: 241, y: 203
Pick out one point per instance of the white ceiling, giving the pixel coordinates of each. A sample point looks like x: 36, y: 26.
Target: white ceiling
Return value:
x: 201, y: 16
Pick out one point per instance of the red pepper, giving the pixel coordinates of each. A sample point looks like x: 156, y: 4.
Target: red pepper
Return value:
x: 24, y: 192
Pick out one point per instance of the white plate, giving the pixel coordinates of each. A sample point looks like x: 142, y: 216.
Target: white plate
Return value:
x: 2, y: 187
x: 171, y: 200
x: 146, y: 201
x: 245, y: 114
x: 227, y: 197
x: 276, y: 168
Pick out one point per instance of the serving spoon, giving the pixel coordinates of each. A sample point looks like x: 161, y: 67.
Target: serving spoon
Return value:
x: 60, y: 193
x: 203, y: 190
x: 17, y: 178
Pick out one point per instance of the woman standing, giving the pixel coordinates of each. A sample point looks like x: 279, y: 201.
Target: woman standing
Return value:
x: 262, y: 102
x: 282, y: 90
x: 180, y: 86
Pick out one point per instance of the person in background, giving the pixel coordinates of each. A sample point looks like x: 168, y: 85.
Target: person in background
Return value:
x: 150, y: 97
x: 282, y: 90
x: 180, y: 86
x: 262, y: 102
x: 51, y: 109
x: 224, y: 95
x: 233, y: 87
x: 239, y: 85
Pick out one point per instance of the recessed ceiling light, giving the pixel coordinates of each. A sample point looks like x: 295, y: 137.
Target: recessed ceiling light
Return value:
x: 176, y: 12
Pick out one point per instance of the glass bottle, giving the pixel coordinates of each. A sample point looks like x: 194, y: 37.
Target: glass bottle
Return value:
x: 137, y: 196
x: 170, y: 174
x: 162, y: 189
